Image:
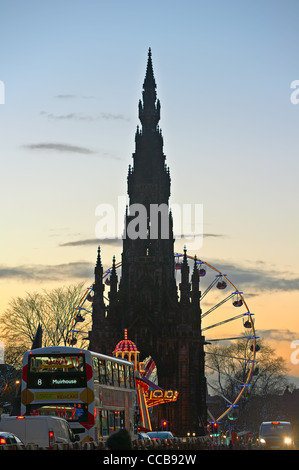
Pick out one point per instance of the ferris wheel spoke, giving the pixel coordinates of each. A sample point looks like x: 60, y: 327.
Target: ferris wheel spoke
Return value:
x: 224, y: 321
x: 246, y: 359
x: 218, y: 305
x: 210, y: 286
x: 230, y: 339
x: 219, y: 393
x: 80, y: 332
x: 233, y: 379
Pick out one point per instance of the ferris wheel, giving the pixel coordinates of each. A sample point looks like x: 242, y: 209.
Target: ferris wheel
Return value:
x: 229, y: 331
x: 228, y: 327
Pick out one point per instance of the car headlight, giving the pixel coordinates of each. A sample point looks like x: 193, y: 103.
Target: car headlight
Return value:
x: 288, y: 441
x: 262, y: 440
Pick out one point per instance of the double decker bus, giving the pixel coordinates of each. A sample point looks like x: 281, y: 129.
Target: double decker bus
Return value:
x: 95, y: 393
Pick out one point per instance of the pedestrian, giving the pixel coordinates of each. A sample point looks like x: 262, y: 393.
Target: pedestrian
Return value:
x: 119, y: 440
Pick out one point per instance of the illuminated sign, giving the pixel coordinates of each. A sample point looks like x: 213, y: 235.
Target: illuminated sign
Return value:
x: 64, y: 381
x: 46, y: 381
x: 56, y: 395
x: 46, y: 364
x: 159, y: 396
x: 55, y: 365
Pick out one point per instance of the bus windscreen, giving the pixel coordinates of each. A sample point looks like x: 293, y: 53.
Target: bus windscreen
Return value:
x: 72, y: 412
x: 56, y: 371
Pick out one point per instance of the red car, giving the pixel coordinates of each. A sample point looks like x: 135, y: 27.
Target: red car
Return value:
x: 8, y: 439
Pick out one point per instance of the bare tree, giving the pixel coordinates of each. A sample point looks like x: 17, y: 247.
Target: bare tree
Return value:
x: 270, y: 377
x: 228, y: 366
x: 54, y: 310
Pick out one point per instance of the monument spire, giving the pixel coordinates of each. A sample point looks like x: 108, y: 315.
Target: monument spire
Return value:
x: 149, y: 107
x: 147, y: 302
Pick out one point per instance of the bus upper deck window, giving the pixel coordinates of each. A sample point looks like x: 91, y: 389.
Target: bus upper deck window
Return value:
x: 102, y: 371
x: 121, y: 375
x: 115, y: 374
x: 95, y: 368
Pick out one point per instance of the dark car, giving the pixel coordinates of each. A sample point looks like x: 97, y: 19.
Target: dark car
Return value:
x: 143, y: 436
x: 276, y: 435
x: 9, y: 439
x: 160, y: 435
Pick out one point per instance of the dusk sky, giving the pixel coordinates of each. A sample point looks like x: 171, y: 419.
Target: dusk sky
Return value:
x: 71, y: 77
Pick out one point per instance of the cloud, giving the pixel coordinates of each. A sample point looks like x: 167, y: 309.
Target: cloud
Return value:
x: 94, y: 241
x: 117, y: 241
x: 114, y: 241
x: 59, y: 148
x: 67, y: 96
x: 204, y: 235
x: 83, y: 117
x: 69, y: 148
x: 76, y: 270
x: 278, y: 335
x: 113, y: 116
x: 253, y: 281
x: 255, y: 278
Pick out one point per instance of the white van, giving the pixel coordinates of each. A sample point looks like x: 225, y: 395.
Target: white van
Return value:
x: 43, y: 431
x: 276, y: 435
